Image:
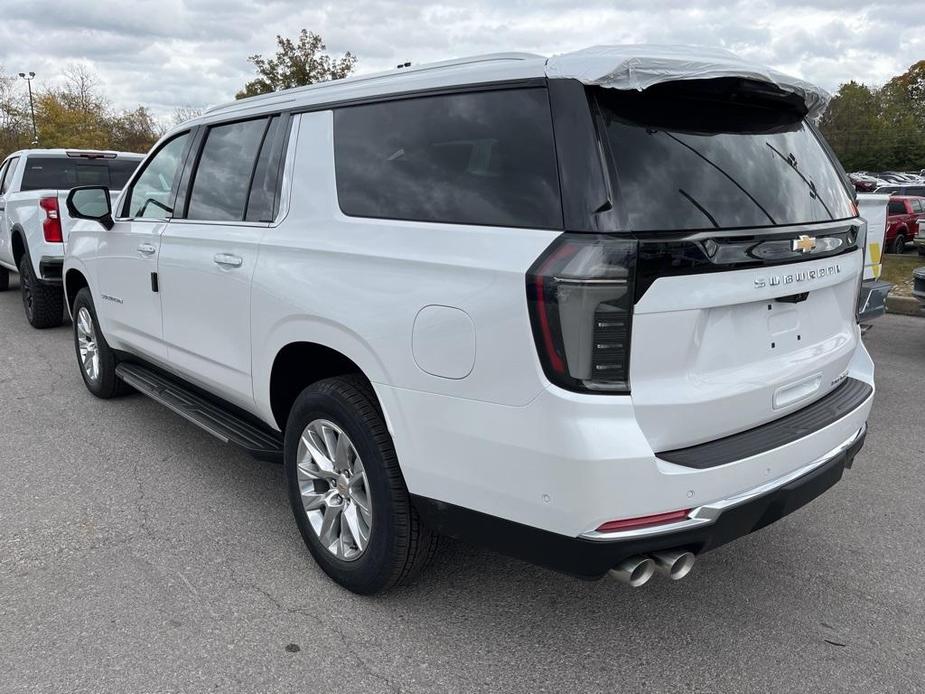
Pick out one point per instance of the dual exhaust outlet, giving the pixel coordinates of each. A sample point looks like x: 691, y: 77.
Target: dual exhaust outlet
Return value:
x: 636, y: 571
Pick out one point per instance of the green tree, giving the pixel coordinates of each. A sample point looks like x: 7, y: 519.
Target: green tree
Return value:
x: 853, y: 127
x: 133, y: 131
x: 296, y: 64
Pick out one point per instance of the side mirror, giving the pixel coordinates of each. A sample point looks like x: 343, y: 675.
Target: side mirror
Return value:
x: 91, y: 202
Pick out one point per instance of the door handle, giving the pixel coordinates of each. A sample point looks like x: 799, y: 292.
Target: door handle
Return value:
x: 228, y: 260
x: 147, y: 249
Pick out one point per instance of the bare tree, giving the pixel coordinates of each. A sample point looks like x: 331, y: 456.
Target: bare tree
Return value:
x: 182, y: 114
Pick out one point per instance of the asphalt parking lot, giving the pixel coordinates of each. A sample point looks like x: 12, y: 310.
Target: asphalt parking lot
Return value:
x: 137, y: 554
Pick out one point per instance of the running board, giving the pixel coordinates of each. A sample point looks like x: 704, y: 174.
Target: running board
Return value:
x: 261, y: 442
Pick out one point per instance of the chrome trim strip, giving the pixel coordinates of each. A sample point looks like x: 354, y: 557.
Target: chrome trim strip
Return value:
x: 709, y: 513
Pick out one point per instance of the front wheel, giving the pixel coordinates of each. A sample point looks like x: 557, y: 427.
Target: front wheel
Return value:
x: 95, y: 357
x: 43, y: 303
x: 347, y: 491
x: 899, y: 244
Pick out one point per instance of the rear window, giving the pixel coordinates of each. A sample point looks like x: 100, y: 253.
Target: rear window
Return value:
x: 717, y: 154
x: 62, y: 173
x: 476, y: 158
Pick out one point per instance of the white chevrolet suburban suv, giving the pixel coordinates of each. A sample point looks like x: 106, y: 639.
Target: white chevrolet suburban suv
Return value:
x: 33, y: 232
x: 599, y: 325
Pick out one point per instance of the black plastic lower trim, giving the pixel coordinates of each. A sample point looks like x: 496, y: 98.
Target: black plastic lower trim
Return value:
x: 845, y: 398
x: 592, y: 559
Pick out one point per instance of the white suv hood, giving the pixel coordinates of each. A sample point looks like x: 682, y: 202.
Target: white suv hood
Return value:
x: 641, y: 66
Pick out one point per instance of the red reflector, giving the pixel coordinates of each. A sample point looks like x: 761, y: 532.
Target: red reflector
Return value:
x: 643, y: 521
x: 51, y: 225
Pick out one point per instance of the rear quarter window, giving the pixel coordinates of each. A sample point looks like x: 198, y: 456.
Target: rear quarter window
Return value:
x: 485, y: 158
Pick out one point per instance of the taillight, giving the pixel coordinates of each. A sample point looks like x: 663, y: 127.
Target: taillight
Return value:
x: 51, y: 225
x: 580, y: 294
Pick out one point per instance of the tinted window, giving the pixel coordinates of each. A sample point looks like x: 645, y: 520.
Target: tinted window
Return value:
x: 479, y: 158
x: 262, y: 200
x: 151, y: 193
x: 915, y: 190
x: 3, y: 170
x: 62, y: 173
x: 896, y: 207
x: 223, y: 176
x: 8, y: 175
x: 717, y: 154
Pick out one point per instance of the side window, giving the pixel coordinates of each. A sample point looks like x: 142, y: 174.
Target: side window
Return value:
x: 222, y: 179
x: 262, y: 199
x: 150, y: 196
x: 8, y: 175
x: 896, y: 207
x: 3, y: 175
x: 475, y: 158
x: 916, y: 206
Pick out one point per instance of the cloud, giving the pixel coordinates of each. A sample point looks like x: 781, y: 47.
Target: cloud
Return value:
x: 170, y: 53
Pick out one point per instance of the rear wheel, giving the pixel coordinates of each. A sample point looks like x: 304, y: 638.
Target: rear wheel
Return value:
x: 4, y: 279
x: 347, y: 491
x: 43, y: 303
x: 899, y: 244
x: 95, y: 357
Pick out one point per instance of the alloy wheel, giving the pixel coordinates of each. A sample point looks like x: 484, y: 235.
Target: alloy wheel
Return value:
x: 334, y: 489
x: 87, y: 344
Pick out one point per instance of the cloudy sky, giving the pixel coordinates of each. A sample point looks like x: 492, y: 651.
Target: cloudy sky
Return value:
x: 170, y: 53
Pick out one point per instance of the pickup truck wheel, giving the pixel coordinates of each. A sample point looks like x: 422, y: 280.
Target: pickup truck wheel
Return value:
x: 347, y: 492
x: 95, y: 357
x: 43, y: 303
x: 4, y: 279
x: 899, y: 244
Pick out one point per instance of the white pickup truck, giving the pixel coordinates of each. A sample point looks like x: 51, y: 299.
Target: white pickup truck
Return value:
x: 33, y: 222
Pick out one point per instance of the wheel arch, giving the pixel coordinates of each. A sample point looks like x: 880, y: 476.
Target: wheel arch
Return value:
x: 17, y: 243
x: 299, y: 364
x: 74, y: 281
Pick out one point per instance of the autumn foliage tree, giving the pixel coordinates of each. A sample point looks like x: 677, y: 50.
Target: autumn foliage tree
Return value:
x: 74, y: 114
x: 296, y: 64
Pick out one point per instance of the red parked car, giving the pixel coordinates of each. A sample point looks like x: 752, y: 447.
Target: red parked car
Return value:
x: 903, y: 215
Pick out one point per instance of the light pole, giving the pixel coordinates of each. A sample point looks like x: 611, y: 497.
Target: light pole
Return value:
x: 29, y: 78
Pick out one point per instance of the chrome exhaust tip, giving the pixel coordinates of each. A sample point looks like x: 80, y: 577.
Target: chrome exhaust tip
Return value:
x: 635, y: 571
x: 673, y: 564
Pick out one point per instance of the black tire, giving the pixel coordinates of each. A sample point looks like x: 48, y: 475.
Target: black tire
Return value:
x: 399, y: 546
x: 106, y: 384
x: 4, y: 279
x: 43, y: 303
x: 921, y: 251
x: 899, y: 244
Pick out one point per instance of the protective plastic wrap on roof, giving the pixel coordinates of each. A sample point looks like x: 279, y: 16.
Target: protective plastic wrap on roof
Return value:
x: 640, y: 67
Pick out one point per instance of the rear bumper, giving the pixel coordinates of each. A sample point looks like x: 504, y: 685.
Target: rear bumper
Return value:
x: 51, y: 270
x: 707, y: 527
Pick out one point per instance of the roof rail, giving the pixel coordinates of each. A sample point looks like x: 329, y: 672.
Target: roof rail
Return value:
x: 384, y: 75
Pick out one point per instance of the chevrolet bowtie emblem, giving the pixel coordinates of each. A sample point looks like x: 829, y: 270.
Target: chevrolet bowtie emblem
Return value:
x: 804, y: 244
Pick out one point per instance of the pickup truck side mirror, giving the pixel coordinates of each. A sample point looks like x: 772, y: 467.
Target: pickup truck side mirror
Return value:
x: 91, y: 202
